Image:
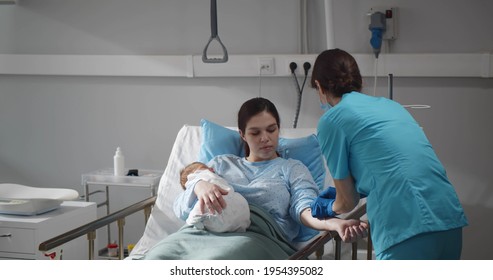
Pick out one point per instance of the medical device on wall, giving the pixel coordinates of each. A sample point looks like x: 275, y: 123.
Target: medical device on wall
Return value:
x: 383, y: 28
x: 377, y: 27
x: 214, y: 36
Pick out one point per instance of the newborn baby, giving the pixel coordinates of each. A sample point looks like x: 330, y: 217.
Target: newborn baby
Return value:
x: 234, y: 218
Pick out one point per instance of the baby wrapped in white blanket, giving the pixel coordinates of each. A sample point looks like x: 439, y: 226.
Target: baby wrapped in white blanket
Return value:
x: 234, y: 218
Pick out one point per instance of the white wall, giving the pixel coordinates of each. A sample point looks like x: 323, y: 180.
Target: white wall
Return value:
x: 54, y: 128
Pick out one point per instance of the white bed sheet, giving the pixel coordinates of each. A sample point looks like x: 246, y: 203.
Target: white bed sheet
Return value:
x: 186, y: 148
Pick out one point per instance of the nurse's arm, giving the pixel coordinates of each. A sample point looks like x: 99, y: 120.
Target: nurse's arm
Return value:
x: 347, y: 197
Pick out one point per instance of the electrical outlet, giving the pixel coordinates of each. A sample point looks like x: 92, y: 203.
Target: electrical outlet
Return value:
x: 266, y: 66
x: 390, y: 21
x: 299, y: 71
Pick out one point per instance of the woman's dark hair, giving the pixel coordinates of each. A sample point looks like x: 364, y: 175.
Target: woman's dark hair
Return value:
x: 253, y: 107
x: 337, y: 72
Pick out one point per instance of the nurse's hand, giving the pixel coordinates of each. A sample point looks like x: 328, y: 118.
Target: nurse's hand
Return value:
x: 210, y: 196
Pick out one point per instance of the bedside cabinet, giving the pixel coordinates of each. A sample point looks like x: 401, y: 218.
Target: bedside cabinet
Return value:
x: 20, y: 236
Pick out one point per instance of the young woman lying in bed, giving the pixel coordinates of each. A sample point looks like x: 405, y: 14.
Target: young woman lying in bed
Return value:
x: 278, y: 190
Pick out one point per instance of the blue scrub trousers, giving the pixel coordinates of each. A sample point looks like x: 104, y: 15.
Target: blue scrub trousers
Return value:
x: 440, y: 245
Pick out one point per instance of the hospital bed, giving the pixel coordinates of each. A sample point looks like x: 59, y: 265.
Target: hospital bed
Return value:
x: 199, y: 142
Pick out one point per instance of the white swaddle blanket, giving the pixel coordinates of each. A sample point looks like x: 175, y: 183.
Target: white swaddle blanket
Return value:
x: 234, y: 218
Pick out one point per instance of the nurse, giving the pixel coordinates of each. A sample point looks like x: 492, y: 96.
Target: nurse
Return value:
x: 374, y: 147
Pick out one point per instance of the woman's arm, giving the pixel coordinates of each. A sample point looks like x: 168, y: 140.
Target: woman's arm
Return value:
x: 347, y: 197
x: 183, y: 203
x: 207, y: 194
x: 348, y: 230
x: 303, y: 192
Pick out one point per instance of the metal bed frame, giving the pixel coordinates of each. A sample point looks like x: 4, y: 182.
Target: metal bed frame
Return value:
x: 316, y: 246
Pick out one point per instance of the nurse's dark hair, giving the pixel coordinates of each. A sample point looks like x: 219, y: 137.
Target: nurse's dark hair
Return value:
x: 337, y: 72
x: 251, y: 108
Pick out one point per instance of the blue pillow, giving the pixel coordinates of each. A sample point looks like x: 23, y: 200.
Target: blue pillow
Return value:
x: 219, y: 140
x: 307, y: 150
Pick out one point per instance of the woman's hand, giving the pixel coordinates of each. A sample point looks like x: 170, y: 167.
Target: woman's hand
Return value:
x: 350, y: 230
x: 210, y: 196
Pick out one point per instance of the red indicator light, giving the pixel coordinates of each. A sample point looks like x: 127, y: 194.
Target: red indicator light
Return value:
x: 388, y: 13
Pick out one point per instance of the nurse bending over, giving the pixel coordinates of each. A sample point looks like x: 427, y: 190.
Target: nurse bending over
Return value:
x: 374, y: 147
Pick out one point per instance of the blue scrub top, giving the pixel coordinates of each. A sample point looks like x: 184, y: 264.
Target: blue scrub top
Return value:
x: 377, y: 141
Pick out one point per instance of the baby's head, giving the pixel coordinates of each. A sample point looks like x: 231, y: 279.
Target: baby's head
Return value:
x: 189, y: 169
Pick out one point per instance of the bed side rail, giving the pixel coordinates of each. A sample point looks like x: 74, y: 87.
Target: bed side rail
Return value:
x: 89, y: 229
x: 318, y: 244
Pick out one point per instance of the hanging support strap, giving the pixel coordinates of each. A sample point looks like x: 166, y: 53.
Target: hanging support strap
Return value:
x: 214, y: 36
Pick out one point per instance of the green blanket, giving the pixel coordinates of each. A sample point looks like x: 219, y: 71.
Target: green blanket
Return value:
x: 262, y: 240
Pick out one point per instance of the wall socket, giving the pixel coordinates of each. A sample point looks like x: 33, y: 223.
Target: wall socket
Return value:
x: 300, y: 71
x: 266, y: 66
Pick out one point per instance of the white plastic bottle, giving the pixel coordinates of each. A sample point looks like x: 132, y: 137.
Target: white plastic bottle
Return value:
x: 118, y: 162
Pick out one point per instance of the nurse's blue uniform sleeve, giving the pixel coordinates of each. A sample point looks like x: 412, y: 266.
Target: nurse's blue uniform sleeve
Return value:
x: 335, y: 148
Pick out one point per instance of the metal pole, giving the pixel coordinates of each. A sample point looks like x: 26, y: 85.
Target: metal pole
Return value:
x: 354, y: 254
x: 91, y: 236
x: 338, y: 248
x: 369, y: 249
x: 391, y: 86
x: 107, y: 202
x: 121, y: 225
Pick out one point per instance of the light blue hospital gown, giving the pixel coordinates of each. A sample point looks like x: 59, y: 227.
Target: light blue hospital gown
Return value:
x: 378, y: 142
x: 282, y: 187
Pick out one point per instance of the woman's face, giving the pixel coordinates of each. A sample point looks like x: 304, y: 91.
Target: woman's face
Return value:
x: 262, y: 136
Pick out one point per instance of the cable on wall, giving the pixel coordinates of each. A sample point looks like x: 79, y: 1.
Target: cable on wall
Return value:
x: 375, y: 76
x: 299, y: 90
